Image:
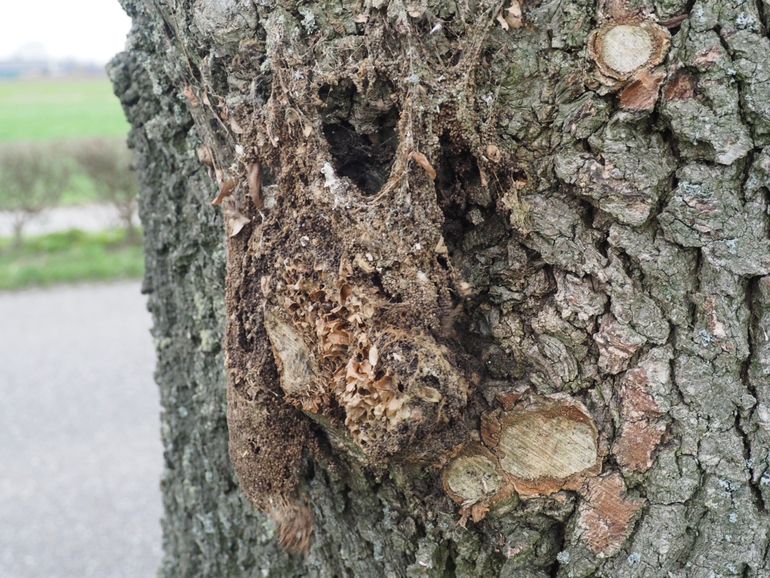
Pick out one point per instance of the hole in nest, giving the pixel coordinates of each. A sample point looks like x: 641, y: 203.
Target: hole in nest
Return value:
x: 366, y: 159
x: 361, y: 132
x: 378, y: 283
x: 458, y: 177
x: 431, y: 381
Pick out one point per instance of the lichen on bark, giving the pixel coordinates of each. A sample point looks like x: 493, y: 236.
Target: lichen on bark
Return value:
x: 440, y: 229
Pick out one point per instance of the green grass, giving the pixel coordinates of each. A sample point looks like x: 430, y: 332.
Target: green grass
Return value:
x: 69, y: 257
x: 59, y: 110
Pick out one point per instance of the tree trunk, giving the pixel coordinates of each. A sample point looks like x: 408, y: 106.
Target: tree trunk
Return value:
x: 490, y: 296
x: 126, y: 211
x: 19, y: 220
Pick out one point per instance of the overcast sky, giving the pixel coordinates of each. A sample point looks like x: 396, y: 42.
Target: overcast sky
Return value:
x: 89, y: 30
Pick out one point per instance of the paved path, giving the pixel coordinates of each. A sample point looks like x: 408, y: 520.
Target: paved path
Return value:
x: 80, y: 452
x: 83, y: 217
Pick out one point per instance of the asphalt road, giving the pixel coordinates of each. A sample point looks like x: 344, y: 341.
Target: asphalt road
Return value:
x: 80, y: 452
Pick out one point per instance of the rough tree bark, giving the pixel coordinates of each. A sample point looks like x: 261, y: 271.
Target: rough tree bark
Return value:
x: 490, y: 296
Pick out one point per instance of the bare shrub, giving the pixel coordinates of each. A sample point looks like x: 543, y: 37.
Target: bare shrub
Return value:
x: 32, y: 179
x: 108, y: 164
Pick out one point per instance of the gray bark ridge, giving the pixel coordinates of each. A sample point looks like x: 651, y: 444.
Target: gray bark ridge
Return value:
x: 498, y: 292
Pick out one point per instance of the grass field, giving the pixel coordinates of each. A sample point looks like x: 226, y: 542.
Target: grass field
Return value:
x: 68, y: 257
x: 62, y: 112
x: 59, y: 110
x: 58, y: 116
